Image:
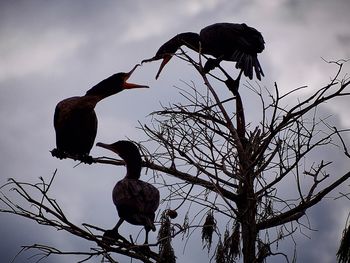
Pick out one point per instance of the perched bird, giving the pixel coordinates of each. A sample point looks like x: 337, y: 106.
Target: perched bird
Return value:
x: 224, y: 41
x: 75, y: 119
x: 136, y: 201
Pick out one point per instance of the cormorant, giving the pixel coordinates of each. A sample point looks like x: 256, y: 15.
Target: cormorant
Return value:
x: 224, y: 41
x: 136, y: 201
x: 75, y: 119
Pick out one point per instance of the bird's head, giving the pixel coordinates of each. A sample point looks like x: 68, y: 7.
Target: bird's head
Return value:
x: 165, y: 52
x: 114, y: 84
x: 127, y: 150
x: 168, y: 49
x: 123, y: 77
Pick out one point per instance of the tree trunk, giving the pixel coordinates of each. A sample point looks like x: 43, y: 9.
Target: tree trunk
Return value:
x: 247, y: 205
x: 247, y: 211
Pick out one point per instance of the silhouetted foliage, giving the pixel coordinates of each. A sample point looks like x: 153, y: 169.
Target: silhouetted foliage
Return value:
x: 166, y: 251
x: 343, y: 253
x: 208, y: 230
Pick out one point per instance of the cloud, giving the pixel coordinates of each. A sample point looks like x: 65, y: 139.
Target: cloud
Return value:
x: 39, y: 54
x: 154, y: 20
x: 53, y: 50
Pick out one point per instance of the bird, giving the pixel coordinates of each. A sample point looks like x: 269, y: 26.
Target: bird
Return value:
x: 136, y: 201
x: 75, y: 120
x: 224, y: 41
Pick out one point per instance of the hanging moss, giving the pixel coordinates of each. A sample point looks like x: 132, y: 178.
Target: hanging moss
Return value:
x: 166, y: 251
x: 343, y: 254
x: 185, y: 226
x: 172, y: 213
x: 263, y: 251
x: 208, y: 230
x: 269, y: 208
x: 229, y: 250
x: 233, y: 243
x: 220, y: 253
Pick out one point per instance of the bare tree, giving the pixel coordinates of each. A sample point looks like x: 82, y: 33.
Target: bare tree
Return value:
x: 237, y: 170
x: 205, y: 154
x: 45, y: 210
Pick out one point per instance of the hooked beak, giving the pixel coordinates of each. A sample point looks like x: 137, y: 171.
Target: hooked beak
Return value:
x: 127, y: 85
x: 166, y: 59
x: 150, y: 59
x: 107, y: 146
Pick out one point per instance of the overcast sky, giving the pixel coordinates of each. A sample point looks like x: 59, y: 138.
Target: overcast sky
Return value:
x: 51, y: 50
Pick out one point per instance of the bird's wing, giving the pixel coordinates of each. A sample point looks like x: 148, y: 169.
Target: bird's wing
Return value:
x: 235, y: 42
x: 75, y: 124
x: 138, y: 195
x: 149, y: 195
x: 219, y: 39
x: 248, y: 39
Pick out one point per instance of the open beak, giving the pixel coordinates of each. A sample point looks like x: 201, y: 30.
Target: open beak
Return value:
x: 127, y: 85
x: 164, y: 62
x: 107, y: 146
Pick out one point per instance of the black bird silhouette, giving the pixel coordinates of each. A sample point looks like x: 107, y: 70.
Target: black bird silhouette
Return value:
x: 75, y: 119
x: 224, y: 41
x: 136, y: 201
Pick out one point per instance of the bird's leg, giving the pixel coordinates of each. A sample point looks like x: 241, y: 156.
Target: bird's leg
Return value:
x: 58, y: 154
x: 232, y: 84
x: 110, y: 235
x: 238, y: 79
x: 121, y: 220
x: 146, y: 238
x: 211, y: 64
x: 144, y: 249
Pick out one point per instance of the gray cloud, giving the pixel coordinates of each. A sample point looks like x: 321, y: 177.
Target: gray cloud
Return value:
x: 53, y: 50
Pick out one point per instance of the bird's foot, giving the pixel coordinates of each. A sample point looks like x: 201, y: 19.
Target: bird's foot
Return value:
x: 58, y: 154
x: 86, y: 159
x: 144, y: 249
x: 210, y: 65
x: 111, y: 236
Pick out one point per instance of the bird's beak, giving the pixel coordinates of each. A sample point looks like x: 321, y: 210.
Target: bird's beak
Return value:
x: 166, y: 59
x: 150, y: 59
x: 127, y: 85
x: 107, y: 146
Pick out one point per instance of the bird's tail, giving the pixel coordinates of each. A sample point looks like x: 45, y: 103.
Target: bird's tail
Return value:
x: 247, y: 63
x: 258, y: 69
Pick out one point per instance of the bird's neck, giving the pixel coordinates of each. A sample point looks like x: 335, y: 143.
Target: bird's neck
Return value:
x: 133, y: 171
x: 102, y: 90
x: 90, y: 101
x: 189, y: 39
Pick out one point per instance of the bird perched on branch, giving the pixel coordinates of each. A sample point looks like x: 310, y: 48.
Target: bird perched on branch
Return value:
x: 224, y: 41
x: 75, y: 119
x: 136, y: 201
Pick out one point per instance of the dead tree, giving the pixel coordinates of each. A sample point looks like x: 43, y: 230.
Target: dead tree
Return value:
x: 33, y: 201
x: 236, y: 170
x: 208, y: 154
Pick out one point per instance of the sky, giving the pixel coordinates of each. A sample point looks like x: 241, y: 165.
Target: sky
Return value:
x: 51, y: 50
